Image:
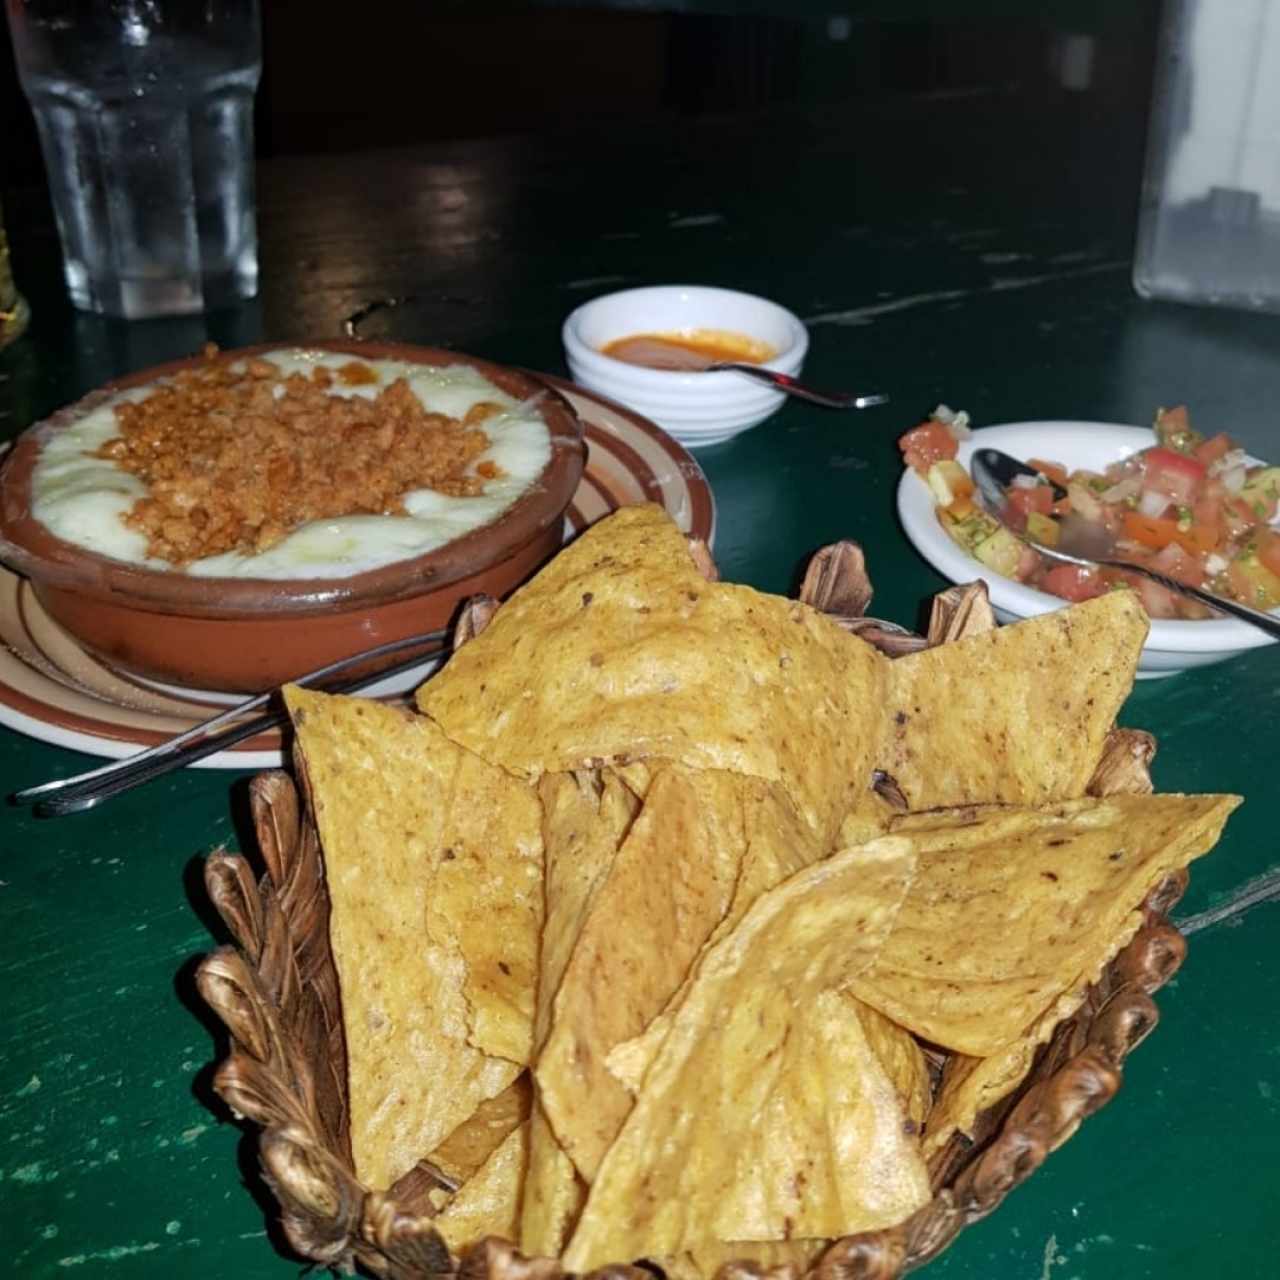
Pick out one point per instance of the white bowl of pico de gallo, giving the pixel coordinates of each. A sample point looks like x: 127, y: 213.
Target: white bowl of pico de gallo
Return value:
x: 1192, y: 505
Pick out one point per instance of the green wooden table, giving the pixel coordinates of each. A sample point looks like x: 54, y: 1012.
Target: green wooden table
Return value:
x: 975, y: 252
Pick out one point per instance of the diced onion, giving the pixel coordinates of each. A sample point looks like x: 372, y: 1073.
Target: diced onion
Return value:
x: 1129, y: 487
x: 1233, y: 479
x: 1229, y: 461
x: 1152, y: 503
x: 1215, y: 564
x: 956, y: 421
x: 1084, y: 502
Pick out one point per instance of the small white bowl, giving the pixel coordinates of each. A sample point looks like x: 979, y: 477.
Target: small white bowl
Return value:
x: 696, y: 408
x: 1171, y: 646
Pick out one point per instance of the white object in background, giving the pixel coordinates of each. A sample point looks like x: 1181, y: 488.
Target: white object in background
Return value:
x: 1171, y: 645
x: 1209, y: 230
x: 696, y: 408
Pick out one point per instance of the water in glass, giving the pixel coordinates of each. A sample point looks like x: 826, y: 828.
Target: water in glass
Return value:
x: 145, y: 115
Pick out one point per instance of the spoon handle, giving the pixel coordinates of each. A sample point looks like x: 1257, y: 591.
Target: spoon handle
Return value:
x: 785, y: 382
x: 1263, y: 621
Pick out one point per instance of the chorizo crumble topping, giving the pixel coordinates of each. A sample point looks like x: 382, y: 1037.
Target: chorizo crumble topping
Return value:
x: 237, y: 456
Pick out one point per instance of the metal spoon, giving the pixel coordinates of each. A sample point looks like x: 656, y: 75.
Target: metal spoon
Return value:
x: 87, y: 790
x: 784, y: 382
x: 653, y: 352
x: 1086, y: 543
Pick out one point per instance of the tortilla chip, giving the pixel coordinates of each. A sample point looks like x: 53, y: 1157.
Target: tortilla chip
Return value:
x: 970, y: 1085
x: 778, y: 844
x: 902, y: 1059
x: 1018, y: 715
x: 486, y: 900
x: 396, y: 804
x: 554, y: 1193
x: 462, y: 1153
x: 705, y: 1260
x: 666, y: 890
x: 1012, y: 908
x: 765, y: 1114
x: 636, y: 656
x: 866, y: 821
x: 489, y: 1203
x: 586, y: 817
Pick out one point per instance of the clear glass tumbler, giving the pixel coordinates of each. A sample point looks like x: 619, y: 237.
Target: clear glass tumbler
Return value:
x: 1209, y: 227
x: 145, y: 112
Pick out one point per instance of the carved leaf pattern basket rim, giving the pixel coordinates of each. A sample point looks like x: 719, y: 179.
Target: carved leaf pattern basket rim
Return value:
x: 277, y: 994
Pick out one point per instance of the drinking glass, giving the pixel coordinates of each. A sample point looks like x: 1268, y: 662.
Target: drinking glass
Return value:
x: 145, y: 113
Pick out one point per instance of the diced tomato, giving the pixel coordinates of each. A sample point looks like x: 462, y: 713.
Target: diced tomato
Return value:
x: 1175, y: 562
x: 1149, y: 530
x: 926, y: 444
x: 1054, y: 471
x: 1198, y: 539
x: 1158, y: 601
x: 1025, y: 501
x: 1173, y: 474
x: 1073, y: 583
x: 1157, y: 533
x: 1206, y: 516
x: 1207, y: 452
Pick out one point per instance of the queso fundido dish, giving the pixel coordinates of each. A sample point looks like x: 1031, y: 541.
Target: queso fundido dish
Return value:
x: 272, y: 465
x: 185, y: 521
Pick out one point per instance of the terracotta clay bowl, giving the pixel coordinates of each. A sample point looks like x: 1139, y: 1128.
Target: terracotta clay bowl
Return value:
x: 247, y: 634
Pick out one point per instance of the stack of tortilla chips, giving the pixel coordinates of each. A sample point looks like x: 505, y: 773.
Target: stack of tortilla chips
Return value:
x: 633, y: 955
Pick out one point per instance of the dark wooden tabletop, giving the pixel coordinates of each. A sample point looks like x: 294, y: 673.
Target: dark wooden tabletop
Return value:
x: 975, y: 251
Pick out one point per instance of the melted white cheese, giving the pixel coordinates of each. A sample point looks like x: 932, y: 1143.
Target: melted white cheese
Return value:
x: 83, y: 499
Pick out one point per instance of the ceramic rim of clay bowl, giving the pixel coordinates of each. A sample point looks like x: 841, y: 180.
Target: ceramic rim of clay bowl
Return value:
x: 245, y: 634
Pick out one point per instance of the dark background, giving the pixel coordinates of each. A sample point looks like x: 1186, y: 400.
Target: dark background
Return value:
x: 354, y: 76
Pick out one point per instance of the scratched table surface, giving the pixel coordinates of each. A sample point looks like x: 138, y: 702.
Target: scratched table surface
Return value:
x: 975, y: 253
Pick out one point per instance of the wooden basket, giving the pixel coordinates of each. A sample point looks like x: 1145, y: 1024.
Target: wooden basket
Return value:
x: 277, y: 993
